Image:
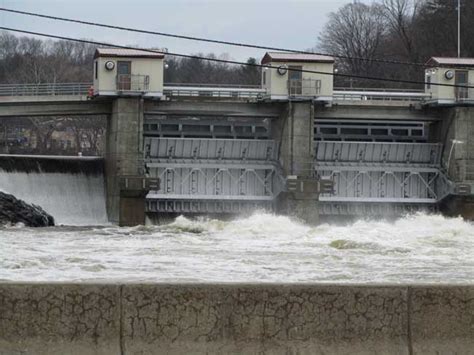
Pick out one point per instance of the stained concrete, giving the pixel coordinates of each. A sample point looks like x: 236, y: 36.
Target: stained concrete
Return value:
x: 294, y: 131
x: 44, y: 319
x: 252, y: 319
x: 45, y: 106
x: 442, y: 320
x: 235, y: 319
x: 124, y: 155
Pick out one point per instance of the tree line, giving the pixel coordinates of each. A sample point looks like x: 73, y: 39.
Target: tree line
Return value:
x: 395, y: 30
x: 31, y: 60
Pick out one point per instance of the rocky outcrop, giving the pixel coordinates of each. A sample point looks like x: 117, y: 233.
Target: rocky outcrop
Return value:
x: 13, y: 210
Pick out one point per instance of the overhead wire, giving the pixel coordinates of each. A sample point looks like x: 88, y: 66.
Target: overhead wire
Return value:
x: 208, y: 40
x: 228, y: 61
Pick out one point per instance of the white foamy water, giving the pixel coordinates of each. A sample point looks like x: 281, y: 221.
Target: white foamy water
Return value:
x: 262, y: 248
x: 72, y: 199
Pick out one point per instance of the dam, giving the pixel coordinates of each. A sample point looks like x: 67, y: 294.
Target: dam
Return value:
x: 304, y: 218
x: 294, y: 145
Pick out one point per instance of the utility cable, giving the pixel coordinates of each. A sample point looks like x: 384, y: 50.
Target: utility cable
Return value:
x: 192, y: 38
x: 227, y: 61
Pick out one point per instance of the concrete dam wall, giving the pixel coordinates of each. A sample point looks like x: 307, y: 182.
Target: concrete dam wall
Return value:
x: 235, y: 319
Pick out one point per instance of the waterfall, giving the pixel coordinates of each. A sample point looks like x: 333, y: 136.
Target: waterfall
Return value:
x: 71, y: 189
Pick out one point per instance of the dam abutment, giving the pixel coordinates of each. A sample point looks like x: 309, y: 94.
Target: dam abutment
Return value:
x: 235, y: 318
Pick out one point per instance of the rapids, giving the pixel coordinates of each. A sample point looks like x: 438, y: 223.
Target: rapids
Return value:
x: 417, y: 248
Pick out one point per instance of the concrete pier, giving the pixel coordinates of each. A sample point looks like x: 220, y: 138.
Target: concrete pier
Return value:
x: 294, y: 132
x: 235, y: 319
x: 457, y: 134
x: 124, y: 157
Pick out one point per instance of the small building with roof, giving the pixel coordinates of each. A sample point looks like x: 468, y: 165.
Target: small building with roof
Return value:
x: 128, y: 72
x: 289, y: 76
x: 450, y: 71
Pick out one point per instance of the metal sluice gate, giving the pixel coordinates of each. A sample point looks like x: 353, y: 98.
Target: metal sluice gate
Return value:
x: 236, y: 175
x: 375, y: 168
x: 200, y: 175
x: 380, y: 177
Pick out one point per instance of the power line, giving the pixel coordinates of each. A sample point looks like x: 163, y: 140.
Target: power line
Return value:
x: 226, y: 61
x: 192, y: 38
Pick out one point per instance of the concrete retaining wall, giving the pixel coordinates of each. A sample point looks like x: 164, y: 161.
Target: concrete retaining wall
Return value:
x: 235, y: 319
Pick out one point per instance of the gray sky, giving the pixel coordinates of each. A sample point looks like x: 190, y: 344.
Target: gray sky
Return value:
x: 280, y: 23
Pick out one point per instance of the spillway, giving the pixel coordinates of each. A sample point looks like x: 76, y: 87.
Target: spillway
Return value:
x: 71, y: 189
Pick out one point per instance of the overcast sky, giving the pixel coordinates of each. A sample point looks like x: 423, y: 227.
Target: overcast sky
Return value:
x: 279, y: 23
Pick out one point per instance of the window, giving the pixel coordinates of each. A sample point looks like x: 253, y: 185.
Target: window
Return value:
x: 96, y: 68
x: 428, y: 82
x: 264, y: 77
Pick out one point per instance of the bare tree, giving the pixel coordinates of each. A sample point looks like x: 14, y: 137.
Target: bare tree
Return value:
x: 401, y: 17
x: 89, y: 133
x: 44, y: 128
x: 355, y: 31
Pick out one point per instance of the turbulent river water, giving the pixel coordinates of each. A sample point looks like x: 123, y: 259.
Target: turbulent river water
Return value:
x: 261, y: 248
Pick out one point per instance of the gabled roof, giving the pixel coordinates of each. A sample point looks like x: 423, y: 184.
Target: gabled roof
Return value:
x: 122, y: 52
x: 295, y: 57
x: 451, y: 62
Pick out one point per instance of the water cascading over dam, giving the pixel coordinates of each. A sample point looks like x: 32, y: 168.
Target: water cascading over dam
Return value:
x: 71, y: 189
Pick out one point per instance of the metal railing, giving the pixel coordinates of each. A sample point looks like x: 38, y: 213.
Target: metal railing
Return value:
x: 203, y: 85
x: 296, y: 88
x: 376, y: 94
x: 304, y: 87
x: 465, y: 94
x: 44, y: 89
x: 233, y: 92
x: 128, y: 82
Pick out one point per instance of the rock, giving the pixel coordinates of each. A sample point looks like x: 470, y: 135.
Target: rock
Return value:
x: 13, y: 210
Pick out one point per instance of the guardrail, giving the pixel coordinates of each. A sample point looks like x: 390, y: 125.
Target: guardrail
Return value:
x: 465, y: 94
x: 44, y: 89
x: 375, y: 95
x: 225, y: 86
x: 304, y: 87
x: 132, y: 83
x: 213, y: 92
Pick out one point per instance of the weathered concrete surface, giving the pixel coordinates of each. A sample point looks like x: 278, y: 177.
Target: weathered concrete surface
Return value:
x: 280, y: 319
x: 458, y: 126
x: 54, y: 107
x: 442, y: 320
x: 235, y: 319
x: 44, y: 319
x: 459, y: 206
x: 376, y: 112
x: 294, y: 131
x: 124, y: 156
x: 218, y: 109
x: 306, y: 210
